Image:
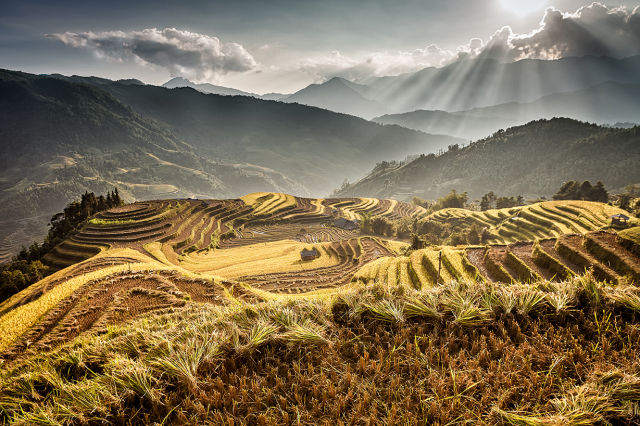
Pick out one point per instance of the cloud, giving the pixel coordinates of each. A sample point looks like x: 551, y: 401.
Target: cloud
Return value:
x: 182, y: 53
x: 361, y: 67
x: 592, y: 30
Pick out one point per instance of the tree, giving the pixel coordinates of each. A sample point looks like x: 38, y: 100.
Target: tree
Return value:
x: 488, y: 201
x: 473, y: 236
x: 505, y: 202
x: 420, y: 202
x: 568, y: 191
x: 116, y: 198
x: 26, y: 268
x: 624, y: 202
x: 598, y: 193
x: 572, y: 190
x: 381, y: 226
x: 451, y: 200
x: 416, y: 242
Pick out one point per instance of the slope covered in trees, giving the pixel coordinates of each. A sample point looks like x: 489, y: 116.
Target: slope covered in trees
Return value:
x: 533, y: 160
x: 316, y: 148
x: 63, y: 136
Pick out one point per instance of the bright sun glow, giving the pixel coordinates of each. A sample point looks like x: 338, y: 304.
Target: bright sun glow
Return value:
x: 523, y: 7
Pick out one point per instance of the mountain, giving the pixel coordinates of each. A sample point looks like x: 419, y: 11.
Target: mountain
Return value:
x: 340, y: 95
x: 273, y: 96
x: 532, y: 160
x: 314, y: 147
x: 484, y: 82
x: 604, y: 103
x: 469, y: 84
x: 62, y: 136
x: 219, y: 90
x: 206, y: 87
x: 458, y: 124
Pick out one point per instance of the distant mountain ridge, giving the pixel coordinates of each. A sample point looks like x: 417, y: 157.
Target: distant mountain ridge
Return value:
x: 608, y: 102
x: 474, y: 83
x: 531, y: 160
x: 218, y: 90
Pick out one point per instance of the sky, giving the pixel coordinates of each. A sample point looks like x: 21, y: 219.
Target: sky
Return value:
x: 263, y: 46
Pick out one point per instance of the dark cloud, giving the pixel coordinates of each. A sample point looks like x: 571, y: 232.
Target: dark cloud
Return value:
x: 182, y: 53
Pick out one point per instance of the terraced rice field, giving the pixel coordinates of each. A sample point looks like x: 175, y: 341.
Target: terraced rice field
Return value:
x: 156, y: 256
x: 610, y: 258
x: 548, y: 219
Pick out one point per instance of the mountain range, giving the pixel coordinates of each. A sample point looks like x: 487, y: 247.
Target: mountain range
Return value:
x: 469, y: 84
x: 62, y: 136
x: 603, y: 103
x: 219, y: 90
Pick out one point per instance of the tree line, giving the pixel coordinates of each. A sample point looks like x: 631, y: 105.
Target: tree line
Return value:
x: 27, y: 266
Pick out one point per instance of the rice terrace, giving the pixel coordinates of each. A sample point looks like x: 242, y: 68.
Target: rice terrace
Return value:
x: 326, y: 213
x: 233, y: 269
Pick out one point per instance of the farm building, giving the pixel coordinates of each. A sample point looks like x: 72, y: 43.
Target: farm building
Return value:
x: 347, y: 224
x: 309, y: 254
x: 619, y: 219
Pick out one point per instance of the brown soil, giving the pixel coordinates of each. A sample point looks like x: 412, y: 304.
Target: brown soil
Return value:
x: 523, y: 252
x: 476, y: 258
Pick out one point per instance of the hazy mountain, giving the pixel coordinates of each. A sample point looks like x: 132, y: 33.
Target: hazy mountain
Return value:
x: 219, y: 90
x: 459, y: 124
x: 338, y: 95
x: 131, y: 81
x: 206, y: 87
x: 61, y: 138
x: 532, y: 160
x: 472, y: 83
x: 273, y: 96
x: 605, y: 103
x: 477, y: 83
x: 64, y: 135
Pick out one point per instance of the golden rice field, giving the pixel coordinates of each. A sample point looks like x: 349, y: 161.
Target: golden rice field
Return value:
x: 547, y: 219
x: 276, y: 256
x: 203, y: 311
x: 250, y: 248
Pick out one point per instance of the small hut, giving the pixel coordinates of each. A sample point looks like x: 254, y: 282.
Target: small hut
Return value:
x: 619, y: 219
x: 346, y: 224
x: 306, y: 255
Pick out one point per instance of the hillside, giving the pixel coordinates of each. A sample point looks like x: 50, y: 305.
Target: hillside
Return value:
x: 60, y: 139
x: 606, y: 102
x: 314, y: 147
x: 532, y: 160
x: 66, y: 135
x: 459, y: 124
x: 208, y: 302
